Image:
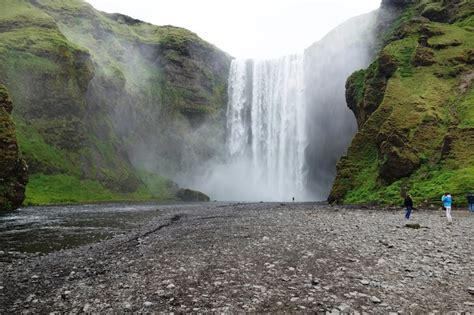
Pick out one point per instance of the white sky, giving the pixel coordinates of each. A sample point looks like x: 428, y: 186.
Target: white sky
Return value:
x: 247, y: 28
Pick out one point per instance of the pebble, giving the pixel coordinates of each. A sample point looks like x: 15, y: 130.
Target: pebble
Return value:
x: 222, y: 271
x: 86, y: 308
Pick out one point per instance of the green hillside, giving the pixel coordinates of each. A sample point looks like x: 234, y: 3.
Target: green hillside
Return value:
x: 105, y: 104
x: 415, y: 110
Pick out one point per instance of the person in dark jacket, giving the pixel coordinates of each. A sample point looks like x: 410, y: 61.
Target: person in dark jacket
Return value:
x: 408, y: 206
x: 470, y: 201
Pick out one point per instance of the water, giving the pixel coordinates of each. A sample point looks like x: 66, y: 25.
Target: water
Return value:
x: 47, y: 229
x: 266, y: 127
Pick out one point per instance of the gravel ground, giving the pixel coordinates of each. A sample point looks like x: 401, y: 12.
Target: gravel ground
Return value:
x: 263, y: 257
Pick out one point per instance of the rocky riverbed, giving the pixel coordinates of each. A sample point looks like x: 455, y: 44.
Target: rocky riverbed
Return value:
x: 265, y: 257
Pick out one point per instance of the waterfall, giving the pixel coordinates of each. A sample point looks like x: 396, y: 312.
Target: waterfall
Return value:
x: 266, y: 126
x: 283, y: 140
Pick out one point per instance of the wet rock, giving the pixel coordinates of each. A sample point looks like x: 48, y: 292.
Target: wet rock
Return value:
x: 192, y: 195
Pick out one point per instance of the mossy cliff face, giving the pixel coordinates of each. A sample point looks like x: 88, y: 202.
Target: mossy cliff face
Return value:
x: 414, y: 109
x: 107, y: 101
x: 13, y: 169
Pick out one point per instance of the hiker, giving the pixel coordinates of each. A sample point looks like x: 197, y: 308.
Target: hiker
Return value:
x: 408, y: 206
x: 470, y: 201
x: 447, y: 202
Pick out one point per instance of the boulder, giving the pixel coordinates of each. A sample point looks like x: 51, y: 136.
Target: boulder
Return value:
x: 192, y: 195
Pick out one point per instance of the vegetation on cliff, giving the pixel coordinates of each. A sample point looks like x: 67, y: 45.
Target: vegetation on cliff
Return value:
x: 414, y: 108
x: 105, y: 105
x: 13, y: 168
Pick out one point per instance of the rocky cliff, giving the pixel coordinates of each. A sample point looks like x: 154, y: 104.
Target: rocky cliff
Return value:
x: 13, y: 169
x: 107, y: 106
x: 414, y: 109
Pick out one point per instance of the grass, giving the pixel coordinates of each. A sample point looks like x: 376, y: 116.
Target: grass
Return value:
x: 41, y: 155
x: 63, y: 189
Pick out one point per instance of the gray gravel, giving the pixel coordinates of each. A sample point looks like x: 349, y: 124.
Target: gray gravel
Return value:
x: 258, y: 258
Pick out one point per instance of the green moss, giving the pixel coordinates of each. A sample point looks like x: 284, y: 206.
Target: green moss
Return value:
x: 40, y: 155
x: 403, y: 50
x: 465, y: 110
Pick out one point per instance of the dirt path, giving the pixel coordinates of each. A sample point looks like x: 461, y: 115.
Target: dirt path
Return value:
x: 258, y: 257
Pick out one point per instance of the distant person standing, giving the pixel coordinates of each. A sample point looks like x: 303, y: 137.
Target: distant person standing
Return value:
x: 408, y: 206
x: 447, y: 203
x: 470, y: 201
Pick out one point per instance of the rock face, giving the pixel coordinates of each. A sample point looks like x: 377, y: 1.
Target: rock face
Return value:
x: 109, y: 100
x: 414, y: 110
x: 191, y: 195
x: 13, y: 169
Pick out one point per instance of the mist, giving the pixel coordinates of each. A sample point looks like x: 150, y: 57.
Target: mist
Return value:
x: 287, y: 119
x: 275, y: 134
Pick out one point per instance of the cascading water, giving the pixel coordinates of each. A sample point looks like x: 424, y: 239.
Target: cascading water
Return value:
x: 284, y: 140
x: 266, y: 125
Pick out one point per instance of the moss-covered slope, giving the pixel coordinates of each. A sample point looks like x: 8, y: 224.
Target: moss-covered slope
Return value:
x: 415, y: 110
x: 13, y: 169
x: 105, y: 103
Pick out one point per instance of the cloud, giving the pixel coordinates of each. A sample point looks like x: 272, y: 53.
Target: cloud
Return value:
x: 247, y: 28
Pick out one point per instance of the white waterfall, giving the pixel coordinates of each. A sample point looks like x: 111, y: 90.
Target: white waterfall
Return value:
x: 266, y: 127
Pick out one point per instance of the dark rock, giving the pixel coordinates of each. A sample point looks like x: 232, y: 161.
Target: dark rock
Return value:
x: 396, y: 3
x: 435, y: 12
x: 398, y: 162
x: 192, y: 195
x: 13, y: 169
x: 413, y: 225
x: 387, y: 64
x: 423, y: 57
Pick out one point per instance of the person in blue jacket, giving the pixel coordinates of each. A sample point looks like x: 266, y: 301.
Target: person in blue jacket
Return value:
x: 447, y: 203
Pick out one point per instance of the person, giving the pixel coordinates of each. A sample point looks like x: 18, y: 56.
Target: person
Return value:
x: 447, y: 203
x: 408, y: 206
x: 470, y: 201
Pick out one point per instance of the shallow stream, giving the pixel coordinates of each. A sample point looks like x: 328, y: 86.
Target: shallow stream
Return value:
x: 52, y: 228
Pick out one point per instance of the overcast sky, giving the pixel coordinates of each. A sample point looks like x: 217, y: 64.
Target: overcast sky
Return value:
x: 247, y: 28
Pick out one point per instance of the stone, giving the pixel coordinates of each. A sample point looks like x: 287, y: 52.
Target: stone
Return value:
x: 375, y: 300
x: 86, y: 308
x: 147, y: 304
x: 192, y: 195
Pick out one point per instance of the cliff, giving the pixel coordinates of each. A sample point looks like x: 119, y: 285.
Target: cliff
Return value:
x: 107, y: 107
x: 13, y: 169
x: 414, y: 110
